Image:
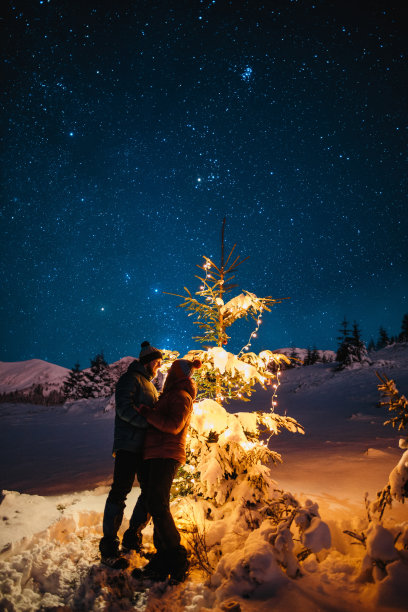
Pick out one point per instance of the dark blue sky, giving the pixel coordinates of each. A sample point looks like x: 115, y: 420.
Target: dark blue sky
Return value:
x: 132, y: 128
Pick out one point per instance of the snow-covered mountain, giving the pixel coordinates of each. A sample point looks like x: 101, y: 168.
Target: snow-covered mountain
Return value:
x: 119, y: 367
x: 23, y: 376
x: 301, y: 353
x: 20, y: 375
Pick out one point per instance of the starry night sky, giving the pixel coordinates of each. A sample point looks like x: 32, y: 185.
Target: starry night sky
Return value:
x: 132, y: 128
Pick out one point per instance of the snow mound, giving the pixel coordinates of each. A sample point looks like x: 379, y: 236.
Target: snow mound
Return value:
x: 253, y: 571
x: 375, y: 452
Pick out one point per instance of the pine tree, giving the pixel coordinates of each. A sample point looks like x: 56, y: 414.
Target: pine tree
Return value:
x: 307, y: 359
x: 100, y: 382
x: 360, y: 350
x: 314, y: 356
x: 403, y: 336
x: 344, y: 331
x: 371, y: 346
x: 352, y: 348
x: 344, y: 342
x: 72, y: 387
x: 294, y: 358
x: 226, y: 459
x: 383, y: 339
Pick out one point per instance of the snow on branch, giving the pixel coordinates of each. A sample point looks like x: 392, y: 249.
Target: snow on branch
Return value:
x: 227, y: 455
x: 245, y: 304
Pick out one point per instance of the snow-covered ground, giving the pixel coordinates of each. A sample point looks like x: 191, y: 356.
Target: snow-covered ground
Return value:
x: 55, y: 467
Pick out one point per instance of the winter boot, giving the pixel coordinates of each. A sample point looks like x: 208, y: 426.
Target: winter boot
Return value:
x: 132, y: 540
x: 178, y: 564
x: 156, y: 570
x: 110, y: 556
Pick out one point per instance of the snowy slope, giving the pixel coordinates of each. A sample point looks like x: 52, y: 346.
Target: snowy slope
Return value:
x: 19, y: 375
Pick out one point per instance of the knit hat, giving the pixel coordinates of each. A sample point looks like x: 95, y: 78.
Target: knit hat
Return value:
x: 149, y: 353
x: 187, y: 366
x: 182, y: 368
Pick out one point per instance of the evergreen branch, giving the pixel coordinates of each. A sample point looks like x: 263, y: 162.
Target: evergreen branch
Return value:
x: 394, y: 401
x: 235, y: 264
x: 229, y: 256
x: 234, y: 267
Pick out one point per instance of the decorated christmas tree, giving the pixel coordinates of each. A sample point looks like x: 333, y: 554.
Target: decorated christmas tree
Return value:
x: 229, y: 454
x: 226, y: 491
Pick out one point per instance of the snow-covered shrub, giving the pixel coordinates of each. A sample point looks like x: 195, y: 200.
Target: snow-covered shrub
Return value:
x: 386, y: 563
x: 386, y: 558
x: 252, y: 550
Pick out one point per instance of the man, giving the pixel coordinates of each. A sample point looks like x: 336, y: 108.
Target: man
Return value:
x: 133, y: 389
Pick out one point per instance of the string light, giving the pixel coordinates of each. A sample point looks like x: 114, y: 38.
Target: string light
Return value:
x: 274, y: 395
x: 275, y: 388
x: 254, y: 333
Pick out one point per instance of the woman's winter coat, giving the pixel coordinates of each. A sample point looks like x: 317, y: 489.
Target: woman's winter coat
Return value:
x: 170, y: 419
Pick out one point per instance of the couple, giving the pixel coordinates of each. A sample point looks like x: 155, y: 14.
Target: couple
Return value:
x: 149, y: 442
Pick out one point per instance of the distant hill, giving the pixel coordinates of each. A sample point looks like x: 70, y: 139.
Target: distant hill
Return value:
x: 20, y: 375
x: 39, y: 381
x: 301, y: 353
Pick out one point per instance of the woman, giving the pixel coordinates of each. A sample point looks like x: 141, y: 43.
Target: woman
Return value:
x: 164, y: 452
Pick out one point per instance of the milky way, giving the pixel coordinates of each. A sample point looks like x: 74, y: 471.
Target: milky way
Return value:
x: 131, y: 132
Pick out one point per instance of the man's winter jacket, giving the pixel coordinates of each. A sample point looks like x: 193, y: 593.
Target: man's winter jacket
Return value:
x: 133, y: 388
x: 170, y: 418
